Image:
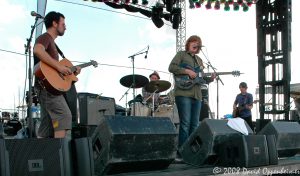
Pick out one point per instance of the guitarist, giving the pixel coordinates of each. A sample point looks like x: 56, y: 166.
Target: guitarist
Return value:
x: 188, y: 101
x: 243, y: 104
x: 56, y: 116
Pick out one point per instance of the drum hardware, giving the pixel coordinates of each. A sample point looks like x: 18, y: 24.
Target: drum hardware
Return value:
x: 132, y: 81
x: 135, y: 81
x: 156, y: 87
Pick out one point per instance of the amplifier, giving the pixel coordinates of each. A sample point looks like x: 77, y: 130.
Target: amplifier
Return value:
x: 93, y: 107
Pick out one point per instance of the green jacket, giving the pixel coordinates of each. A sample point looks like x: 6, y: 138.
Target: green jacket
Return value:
x: 184, y: 57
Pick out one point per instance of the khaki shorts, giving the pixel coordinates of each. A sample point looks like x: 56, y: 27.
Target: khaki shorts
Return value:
x: 55, y: 114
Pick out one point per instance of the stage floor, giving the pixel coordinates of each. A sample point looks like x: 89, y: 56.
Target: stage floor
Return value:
x: 286, y: 166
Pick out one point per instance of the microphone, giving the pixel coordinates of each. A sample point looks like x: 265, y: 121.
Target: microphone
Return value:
x: 33, y: 13
x: 147, y: 52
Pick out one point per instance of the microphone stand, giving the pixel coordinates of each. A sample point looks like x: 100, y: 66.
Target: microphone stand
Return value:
x: 28, y: 51
x: 133, y: 75
x: 217, y: 78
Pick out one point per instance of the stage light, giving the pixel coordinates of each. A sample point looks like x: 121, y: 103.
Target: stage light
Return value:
x: 240, y: 2
x: 230, y: 2
x: 135, y: 1
x: 145, y: 2
x: 176, y: 17
x: 236, y: 6
x: 157, y: 13
x: 226, y: 7
x: 127, y: 1
x: 245, y: 7
x: 208, y: 4
x: 116, y: 1
x: 223, y: 1
x: 249, y: 2
x: 217, y: 5
x: 169, y: 4
x: 197, y: 5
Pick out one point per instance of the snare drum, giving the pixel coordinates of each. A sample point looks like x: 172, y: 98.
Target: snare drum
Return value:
x: 140, y: 109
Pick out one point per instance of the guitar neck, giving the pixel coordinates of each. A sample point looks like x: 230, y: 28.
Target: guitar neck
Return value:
x: 219, y: 73
x: 73, y: 69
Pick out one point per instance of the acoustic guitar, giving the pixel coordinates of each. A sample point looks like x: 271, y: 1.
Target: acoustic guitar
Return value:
x: 55, y: 82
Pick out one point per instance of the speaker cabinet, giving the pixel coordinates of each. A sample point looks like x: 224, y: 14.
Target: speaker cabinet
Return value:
x: 128, y: 143
x: 84, y: 165
x: 35, y: 157
x: 245, y: 151
x: 200, y: 148
x: 93, y: 107
x: 287, y: 136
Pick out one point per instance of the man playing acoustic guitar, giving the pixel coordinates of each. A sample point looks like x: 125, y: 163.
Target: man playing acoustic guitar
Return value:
x: 56, y: 117
x: 243, y: 104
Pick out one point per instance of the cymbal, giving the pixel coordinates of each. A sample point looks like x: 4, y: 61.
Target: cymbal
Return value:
x: 157, y: 86
x: 140, y: 81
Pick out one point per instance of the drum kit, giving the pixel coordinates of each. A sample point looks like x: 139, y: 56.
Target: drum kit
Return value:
x: 140, y: 108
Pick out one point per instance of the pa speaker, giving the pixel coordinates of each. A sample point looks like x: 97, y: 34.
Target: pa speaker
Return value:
x: 93, y: 107
x: 245, y: 151
x: 84, y: 165
x: 35, y: 157
x: 200, y: 148
x: 287, y: 136
x: 128, y: 143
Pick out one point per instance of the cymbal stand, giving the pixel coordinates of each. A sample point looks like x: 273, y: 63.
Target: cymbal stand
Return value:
x: 133, y: 76
x: 217, y: 78
x: 125, y: 94
x: 153, y: 94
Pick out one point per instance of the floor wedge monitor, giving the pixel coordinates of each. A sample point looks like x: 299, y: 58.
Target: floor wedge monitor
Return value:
x: 130, y: 143
x: 200, y: 148
x: 287, y: 136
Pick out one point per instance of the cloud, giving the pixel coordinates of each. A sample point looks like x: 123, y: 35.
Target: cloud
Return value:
x: 10, y: 12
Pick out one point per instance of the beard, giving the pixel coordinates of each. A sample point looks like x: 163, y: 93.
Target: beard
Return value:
x: 60, y: 33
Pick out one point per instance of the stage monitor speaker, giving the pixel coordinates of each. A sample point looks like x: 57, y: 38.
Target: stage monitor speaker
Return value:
x: 93, y: 107
x: 35, y: 157
x: 260, y: 124
x: 200, y: 148
x: 84, y: 165
x: 128, y: 143
x: 245, y: 151
x: 287, y: 136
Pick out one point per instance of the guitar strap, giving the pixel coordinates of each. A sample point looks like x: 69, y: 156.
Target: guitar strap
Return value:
x: 60, y: 52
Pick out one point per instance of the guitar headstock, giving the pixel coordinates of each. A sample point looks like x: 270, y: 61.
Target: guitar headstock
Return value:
x: 236, y: 73
x: 94, y: 63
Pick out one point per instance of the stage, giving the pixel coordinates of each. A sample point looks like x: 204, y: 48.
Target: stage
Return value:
x: 285, y: 166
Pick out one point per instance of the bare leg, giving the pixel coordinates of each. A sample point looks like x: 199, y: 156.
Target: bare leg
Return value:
x: 60, y: 134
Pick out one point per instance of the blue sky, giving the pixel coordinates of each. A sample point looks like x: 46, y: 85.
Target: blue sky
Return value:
x: 109, y: 38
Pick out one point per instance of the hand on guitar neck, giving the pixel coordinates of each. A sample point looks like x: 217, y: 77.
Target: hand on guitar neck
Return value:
x: 59, y: 81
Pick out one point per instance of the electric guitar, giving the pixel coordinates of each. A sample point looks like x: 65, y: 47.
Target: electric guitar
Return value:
x: 185, y: 82
x: 55, y: 82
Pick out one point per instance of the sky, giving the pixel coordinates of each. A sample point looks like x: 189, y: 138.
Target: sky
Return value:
x: 97, y: 32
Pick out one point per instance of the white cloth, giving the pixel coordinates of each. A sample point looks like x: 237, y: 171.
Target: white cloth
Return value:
x: 238, y: 124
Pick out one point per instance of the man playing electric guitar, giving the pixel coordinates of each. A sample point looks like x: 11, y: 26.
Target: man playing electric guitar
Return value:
x: 243, y: 104
x: 56, y: 117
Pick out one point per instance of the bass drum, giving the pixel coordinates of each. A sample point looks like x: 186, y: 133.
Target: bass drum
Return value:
x: 170, y: 111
